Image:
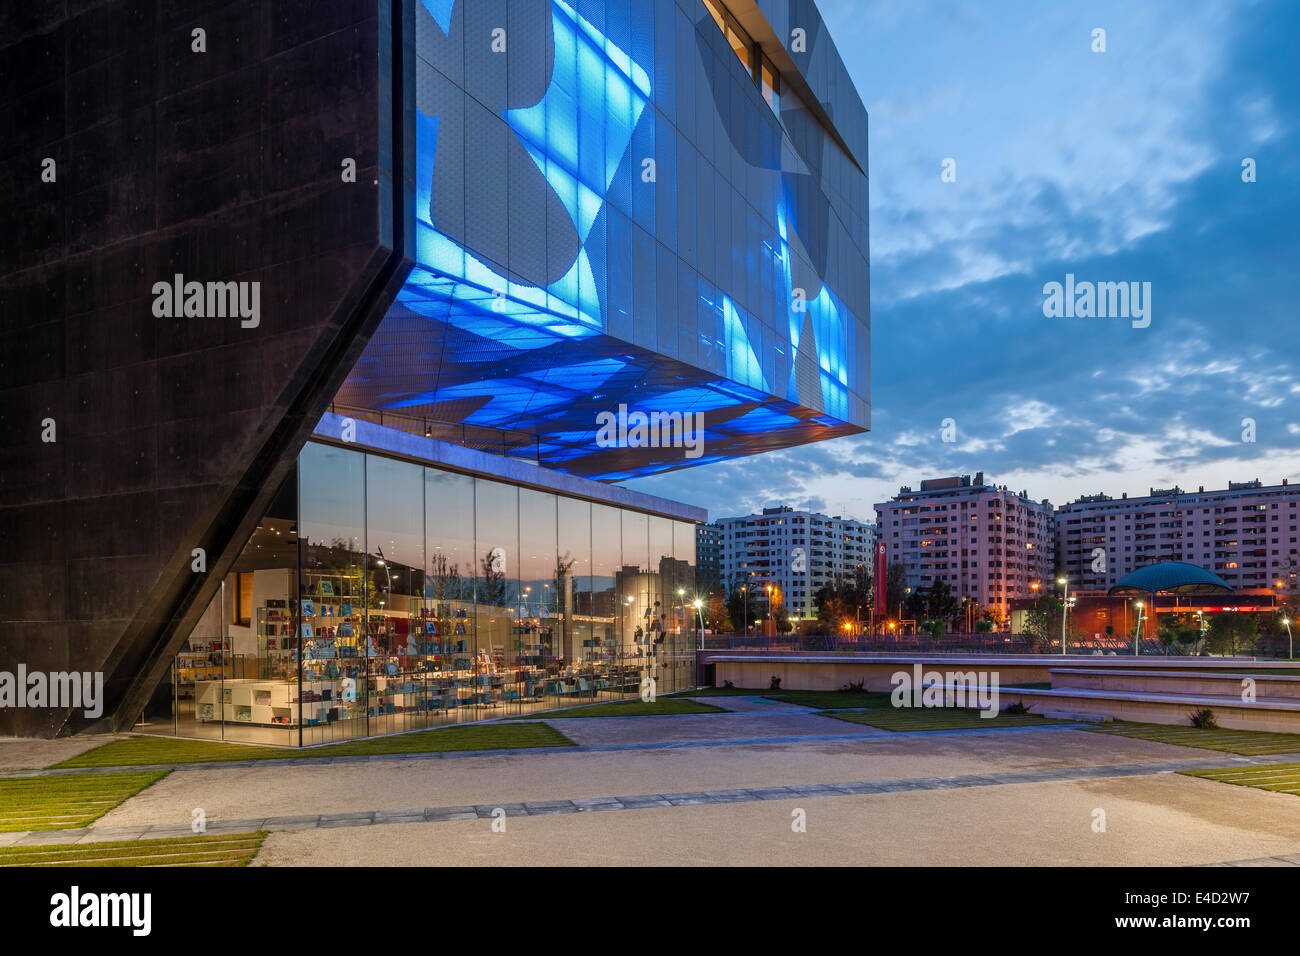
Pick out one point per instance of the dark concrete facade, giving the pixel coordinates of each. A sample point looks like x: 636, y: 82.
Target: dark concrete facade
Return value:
x: 173, y: 434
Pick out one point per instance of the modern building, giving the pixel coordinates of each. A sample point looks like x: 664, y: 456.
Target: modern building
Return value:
x: 708, y: 559
x: 330, y: 331
x: 795, y: 551
x: 1246, y: 534
x: 984, y: 541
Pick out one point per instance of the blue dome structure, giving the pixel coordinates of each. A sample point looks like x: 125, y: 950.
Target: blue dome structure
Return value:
x: 1171, y: 577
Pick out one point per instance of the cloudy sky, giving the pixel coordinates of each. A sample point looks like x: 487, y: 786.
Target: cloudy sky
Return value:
x: 1117, y: 166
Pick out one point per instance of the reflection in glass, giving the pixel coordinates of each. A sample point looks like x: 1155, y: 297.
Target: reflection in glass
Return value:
x: 392, y: 682
x: 332, y: 594
x: 496, y: 513
x: 447, y: 611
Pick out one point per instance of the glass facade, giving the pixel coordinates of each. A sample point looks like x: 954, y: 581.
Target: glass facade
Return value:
x: 383, y: 595
x: 627, y: 204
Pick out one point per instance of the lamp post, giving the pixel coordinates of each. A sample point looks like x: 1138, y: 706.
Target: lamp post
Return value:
x: 1289, y: 640
x: 1137, y: 635
x: 768, y: 616
x: 699, y: 616
x: 1065, y: 608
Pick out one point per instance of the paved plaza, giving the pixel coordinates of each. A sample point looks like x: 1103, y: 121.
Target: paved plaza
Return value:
x: 766, y: 783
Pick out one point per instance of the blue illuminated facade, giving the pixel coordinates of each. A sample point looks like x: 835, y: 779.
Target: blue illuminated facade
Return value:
x: 610, y: 212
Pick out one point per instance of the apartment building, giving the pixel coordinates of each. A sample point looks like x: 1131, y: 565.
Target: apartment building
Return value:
x: 708, y: 558
x: 986, y: 542
x: 797, y: 551
x: 1245, y: 533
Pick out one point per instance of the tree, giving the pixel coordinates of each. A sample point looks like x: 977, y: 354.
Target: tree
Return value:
x: 940, y: 604
x: 935, y: 628
x: 914, y: 606
x: 895, y: 587
x: 779, y: 614
x: 740, y: 608
x: 1177, y: 631
x: 1042, y: 622
x: 1232, y: 633
x: 718, y: 618
x: 493, y: 590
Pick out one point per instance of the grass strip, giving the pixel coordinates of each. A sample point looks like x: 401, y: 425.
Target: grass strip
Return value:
x: 1277, y: 778
x: 1246, y: 742
x: 66, y: 802
x: 170, y: 750
x: 233, y: 850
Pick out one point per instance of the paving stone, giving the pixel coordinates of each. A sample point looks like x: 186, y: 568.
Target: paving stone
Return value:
x: 443, y: 815
x: 332, y: 820
x: 639, y: 803
x: 283, y: 822
x: 398, y: 816
x: 113, y: 835
x: 774, y: 793
x: 591, y: 803
x: 858, y: 788
x: 51, y: 837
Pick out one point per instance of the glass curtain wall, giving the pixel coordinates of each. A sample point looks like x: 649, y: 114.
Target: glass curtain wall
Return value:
x: 379, y: 596
x: 333, y: 595
x: 448, y: 615
x: 230, y: 679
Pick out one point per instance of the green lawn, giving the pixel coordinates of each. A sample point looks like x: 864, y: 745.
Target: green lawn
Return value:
x: 1247, y: 742
x: 630, y: 708
x: 170, y: 750
x: 66, y: 802
x: 903, y: 719
x: 1282, y: 778
x: 234, y: 850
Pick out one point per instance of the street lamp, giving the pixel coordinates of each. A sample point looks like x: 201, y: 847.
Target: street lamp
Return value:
x: 699, y: 614
x: 1290, y: 642
x: 1065, y: 608
x: 1138, y: 633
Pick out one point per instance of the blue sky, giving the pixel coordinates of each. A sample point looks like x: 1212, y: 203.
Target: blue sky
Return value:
x: 1117, y: 166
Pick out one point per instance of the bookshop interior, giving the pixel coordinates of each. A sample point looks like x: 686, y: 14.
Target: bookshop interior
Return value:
x: 379, y: 595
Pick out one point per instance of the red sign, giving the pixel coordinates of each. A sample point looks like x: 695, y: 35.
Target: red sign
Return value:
x: 880, y: 579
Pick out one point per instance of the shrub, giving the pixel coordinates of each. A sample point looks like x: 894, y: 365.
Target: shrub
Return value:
x: 729, y: 686
x: 1204, y: 719
x: 1017, y: 708
x: 855, y: 686
x: 776, y: 683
